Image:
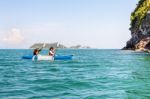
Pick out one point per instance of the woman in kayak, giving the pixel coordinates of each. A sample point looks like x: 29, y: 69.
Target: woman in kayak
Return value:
x: 36, y: 51
x: 51, y: 51
x: 36, y: 54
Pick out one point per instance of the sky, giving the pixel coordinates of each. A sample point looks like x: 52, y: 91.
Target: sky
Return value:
x: 100, y: 24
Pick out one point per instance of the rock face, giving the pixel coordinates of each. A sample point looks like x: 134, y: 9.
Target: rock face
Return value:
x: 140, y: 27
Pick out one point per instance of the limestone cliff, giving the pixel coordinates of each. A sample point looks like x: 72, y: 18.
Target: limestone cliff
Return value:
x: 140, y: 27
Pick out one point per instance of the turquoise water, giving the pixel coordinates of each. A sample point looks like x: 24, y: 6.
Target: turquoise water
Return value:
x: 92, y: 74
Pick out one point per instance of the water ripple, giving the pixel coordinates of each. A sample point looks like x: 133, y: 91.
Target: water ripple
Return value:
x: 92, y: 74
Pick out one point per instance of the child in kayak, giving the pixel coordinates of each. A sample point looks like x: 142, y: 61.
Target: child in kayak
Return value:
x: 52, y: 51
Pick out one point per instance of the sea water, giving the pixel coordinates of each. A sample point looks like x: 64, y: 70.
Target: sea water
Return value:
x: 92, y: 74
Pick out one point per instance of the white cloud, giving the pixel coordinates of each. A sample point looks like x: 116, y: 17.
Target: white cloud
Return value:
x: 14, y: 37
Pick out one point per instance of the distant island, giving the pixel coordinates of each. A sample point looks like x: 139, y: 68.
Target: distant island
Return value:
x: 57, y: 45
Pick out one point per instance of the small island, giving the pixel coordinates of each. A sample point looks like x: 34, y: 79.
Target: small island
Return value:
x: 57, y: 45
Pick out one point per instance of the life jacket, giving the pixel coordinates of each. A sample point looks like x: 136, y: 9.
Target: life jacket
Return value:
x: 51, y: 53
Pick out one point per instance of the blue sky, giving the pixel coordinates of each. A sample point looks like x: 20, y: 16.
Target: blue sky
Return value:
x: 97, y: 23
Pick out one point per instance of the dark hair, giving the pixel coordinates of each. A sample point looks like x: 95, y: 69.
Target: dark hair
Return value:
x: 51, y: 48
x: 35, y: 50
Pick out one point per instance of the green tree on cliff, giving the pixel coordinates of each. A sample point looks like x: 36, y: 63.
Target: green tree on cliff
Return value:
x: 139, y: 13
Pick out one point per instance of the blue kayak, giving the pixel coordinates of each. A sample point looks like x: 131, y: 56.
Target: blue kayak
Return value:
x: 65, y: 57
x: 57, y: 57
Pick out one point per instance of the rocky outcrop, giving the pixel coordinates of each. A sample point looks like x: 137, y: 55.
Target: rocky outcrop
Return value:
x: 140, y: 28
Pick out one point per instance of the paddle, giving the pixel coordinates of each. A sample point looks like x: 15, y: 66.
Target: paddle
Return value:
x: 40, y: 49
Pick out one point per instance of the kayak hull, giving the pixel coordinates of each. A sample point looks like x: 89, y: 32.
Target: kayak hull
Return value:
x: 27, y: 57
x: 44, y: 57
x: 65, y: 57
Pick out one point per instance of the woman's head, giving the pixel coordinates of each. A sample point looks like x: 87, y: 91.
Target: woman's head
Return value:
x: 36, y: 51
x: 51, y: 48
